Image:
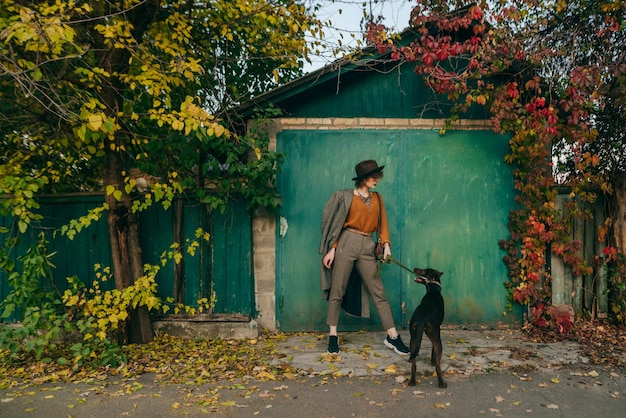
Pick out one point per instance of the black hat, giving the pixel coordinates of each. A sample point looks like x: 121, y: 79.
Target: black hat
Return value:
x: 366, y: 168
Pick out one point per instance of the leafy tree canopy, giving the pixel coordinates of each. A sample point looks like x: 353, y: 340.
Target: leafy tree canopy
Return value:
x: 135, y: 98
x: 149, y: 81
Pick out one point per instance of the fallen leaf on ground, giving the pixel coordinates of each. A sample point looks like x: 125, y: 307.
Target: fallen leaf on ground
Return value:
x: 265, y: 375
x: 391, y: 369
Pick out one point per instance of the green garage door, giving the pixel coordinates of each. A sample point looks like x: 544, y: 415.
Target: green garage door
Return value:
x: 447, y: 199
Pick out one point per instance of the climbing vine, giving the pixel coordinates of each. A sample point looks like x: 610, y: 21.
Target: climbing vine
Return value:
x: 498, y: 58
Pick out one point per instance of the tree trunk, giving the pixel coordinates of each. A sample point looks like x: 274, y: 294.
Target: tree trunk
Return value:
x: 122, y: 222
x: 125, y: 250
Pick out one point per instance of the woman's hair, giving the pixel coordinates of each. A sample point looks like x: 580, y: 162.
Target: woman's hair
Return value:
x: 359, y: 183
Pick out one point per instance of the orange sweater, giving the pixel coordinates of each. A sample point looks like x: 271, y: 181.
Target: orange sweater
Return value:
x: 366, y: 219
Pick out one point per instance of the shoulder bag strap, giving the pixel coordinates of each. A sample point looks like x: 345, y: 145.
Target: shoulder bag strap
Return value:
x: 380, y: 210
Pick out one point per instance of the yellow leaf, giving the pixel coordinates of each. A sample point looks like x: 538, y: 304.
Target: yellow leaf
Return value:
x: 95, y: 122
x: 176, y: 405
x: 391, y: 369
x: 80, y: 132
x: 372, y: 365
x: 555, y: 380
x: 72, y: 301
x: 265, y: 375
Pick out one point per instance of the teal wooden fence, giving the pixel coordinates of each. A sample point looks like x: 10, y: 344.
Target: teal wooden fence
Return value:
x: 221, y: 268
x: 584, y: 293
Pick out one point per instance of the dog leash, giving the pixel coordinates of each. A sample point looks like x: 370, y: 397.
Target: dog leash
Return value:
x: 390, y: 259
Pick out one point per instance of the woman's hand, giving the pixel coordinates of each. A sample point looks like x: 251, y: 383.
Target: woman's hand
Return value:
x: 328, y: 259
x: 386, y: 251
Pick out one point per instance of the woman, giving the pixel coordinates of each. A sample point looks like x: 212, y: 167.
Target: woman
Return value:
x: 348, y: 221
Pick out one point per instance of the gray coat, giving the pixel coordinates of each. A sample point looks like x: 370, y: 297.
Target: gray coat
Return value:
x: 333, y: 217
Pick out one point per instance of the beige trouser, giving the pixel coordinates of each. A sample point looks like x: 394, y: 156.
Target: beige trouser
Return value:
x: 356, y: 250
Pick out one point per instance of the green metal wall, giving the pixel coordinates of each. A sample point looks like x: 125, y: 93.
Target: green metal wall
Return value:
x: 387, y: 91
x: 447, y: 198
x: 222, y: 267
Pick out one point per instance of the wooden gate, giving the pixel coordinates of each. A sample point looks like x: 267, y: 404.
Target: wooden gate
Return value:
x: 447, y: 198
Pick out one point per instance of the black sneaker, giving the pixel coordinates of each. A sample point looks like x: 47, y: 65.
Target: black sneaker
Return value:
x: 333, y: 344
x: 396, y: 345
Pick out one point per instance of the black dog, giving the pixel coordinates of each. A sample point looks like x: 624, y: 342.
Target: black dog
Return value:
x: 427, y: 318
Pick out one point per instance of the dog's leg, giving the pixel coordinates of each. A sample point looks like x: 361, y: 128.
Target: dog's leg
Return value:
x: 413, y: 373
x: 435, y: 337
x: 417, y: 329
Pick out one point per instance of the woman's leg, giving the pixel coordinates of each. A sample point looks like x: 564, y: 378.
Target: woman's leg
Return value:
x: 342, y: 267
x: 367, y: 267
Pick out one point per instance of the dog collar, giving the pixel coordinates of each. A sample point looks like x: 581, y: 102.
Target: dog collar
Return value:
x: 428, y: 281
